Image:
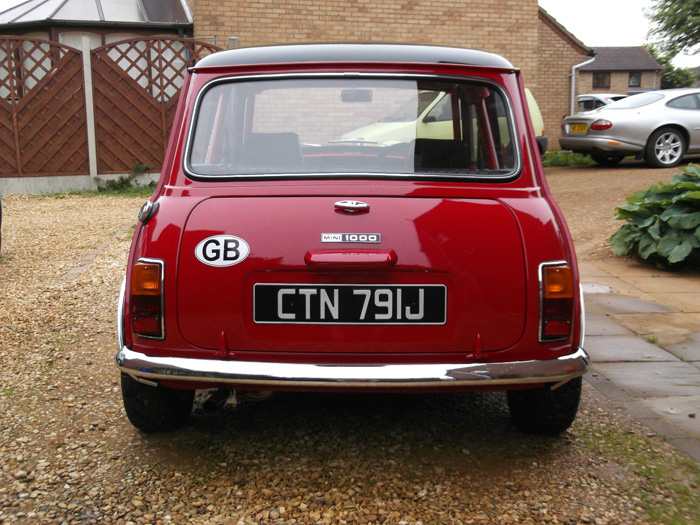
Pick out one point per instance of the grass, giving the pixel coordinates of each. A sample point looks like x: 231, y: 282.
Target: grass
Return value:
x: 667, y: 484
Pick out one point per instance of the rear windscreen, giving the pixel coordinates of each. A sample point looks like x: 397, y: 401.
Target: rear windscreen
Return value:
x: 345, y: 127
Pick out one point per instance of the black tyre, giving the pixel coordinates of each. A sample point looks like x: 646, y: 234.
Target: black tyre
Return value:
x: 606, y: 159
x: 543, y: 410
x: 155, y: 408
x: 665, y: 148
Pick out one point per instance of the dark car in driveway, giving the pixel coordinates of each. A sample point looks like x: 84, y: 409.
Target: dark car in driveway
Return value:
x: 278, y: 254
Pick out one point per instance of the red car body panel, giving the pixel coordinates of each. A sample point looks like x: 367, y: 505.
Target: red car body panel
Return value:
x: 483, y: 243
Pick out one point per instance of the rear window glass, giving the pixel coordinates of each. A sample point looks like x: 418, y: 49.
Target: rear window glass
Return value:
x: 636, y: 101
x: 343, y: 127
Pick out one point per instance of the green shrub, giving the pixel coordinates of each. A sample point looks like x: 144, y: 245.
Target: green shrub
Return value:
x: 123, y: 183
x: 565, y: 158
x: 663, y: 222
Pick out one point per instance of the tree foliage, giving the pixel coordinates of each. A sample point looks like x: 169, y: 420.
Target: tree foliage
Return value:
x: 671, y: 76
x: 677, y: 24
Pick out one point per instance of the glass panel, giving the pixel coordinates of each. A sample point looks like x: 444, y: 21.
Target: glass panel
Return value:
x: 601, y: 80
x: 343, y: 127
x: 77, y: 10
x: 121, y: 10
x: 635, y: 79
x: 636, y: 101
x: 170, y: 11
x: 686, y: 102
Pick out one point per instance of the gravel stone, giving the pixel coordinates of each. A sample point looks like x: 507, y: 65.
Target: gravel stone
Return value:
x: 68, y: 455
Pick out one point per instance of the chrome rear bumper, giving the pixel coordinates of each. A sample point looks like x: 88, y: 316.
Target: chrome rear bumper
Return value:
x: 263, y: 375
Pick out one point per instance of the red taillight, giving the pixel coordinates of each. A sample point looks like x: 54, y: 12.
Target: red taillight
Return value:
x: 601, y: 124
x: 146, y: 299
x: 557, y: 301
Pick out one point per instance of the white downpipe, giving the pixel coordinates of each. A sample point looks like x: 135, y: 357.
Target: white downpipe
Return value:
x: 573, y: 82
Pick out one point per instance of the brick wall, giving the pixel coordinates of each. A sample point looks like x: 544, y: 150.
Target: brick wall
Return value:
x: 514, y: 29
x: 619, y: 82
x: 557, y: 53
x: 506, y: 27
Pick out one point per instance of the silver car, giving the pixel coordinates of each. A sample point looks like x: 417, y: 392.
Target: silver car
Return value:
x: 658, y: 126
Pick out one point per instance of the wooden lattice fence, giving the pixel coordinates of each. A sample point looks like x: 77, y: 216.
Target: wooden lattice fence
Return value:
x: 136, y: 87
x: 42, y: 108
x: 44, y: 124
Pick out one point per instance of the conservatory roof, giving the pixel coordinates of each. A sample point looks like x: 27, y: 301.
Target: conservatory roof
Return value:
x: 98, y: 12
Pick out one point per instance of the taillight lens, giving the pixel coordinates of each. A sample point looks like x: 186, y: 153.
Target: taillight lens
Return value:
x: 556, y: 301
x: 601, y: 124
x: 146, y: 299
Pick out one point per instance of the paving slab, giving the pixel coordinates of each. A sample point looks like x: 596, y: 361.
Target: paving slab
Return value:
x: 589, y: 287
x: 626, y: 304
x: 614, y: 285
x: 653, y: 379
x: 589, y: 269
x: 658, y: 384
x: 624, y: 348
x: 665, y: 283
x: 602, y: 324
x: 681, y: 301
x: 668, y: 328
x: 682, y: 411
x: 624, y: 268
x: 688, y: 350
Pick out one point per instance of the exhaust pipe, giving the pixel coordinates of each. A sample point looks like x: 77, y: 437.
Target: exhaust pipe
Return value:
x: 219, y: 399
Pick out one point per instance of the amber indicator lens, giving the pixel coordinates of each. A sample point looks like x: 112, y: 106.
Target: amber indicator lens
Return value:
x: 146, y: 302
x: 558, y: 283
x: 145, y: 279
x: 557, y: 305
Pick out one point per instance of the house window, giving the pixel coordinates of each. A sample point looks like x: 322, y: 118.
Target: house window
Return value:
x: 601, y: 80
x: 635, y: 79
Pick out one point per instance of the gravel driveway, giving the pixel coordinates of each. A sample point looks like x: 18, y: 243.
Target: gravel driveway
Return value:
x: 69, y: 455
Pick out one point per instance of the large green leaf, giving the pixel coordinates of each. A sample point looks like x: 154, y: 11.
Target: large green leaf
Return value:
x: 647, y: 246
x: 680, y: 252
x: 676, y: 209
x: 668, y: 242
x: 685, y: 221
x: 636, y: 197
x: 655, y: 230
x: 691, y: 196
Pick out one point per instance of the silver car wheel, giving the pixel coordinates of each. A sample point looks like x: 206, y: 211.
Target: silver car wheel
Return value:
x: 668, y: 148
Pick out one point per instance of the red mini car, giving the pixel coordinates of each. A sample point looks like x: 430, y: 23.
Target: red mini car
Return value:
x: 283, y: 250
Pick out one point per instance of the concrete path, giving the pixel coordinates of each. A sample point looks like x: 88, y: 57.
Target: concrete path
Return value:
x: 643, y: 336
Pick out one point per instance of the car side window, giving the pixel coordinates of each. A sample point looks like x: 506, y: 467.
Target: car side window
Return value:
x: 442, y: 111
x: 685, y: 102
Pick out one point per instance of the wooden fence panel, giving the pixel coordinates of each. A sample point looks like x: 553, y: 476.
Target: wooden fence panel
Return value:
x: 136, y: 85
x: 42, y: 109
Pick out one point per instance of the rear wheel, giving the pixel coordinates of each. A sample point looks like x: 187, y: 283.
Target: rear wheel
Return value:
x: 543, y: 410
x: 155, y: 408
x: 665, y: 148
x: 606, y: 159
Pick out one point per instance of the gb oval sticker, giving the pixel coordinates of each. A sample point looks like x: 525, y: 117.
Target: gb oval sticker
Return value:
x: 222, y: 250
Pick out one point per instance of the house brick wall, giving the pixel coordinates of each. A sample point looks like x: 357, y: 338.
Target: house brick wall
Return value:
x: 557, y: 54
x: 514, y: 29
x: 506, y: 27
x: 619, y: 82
